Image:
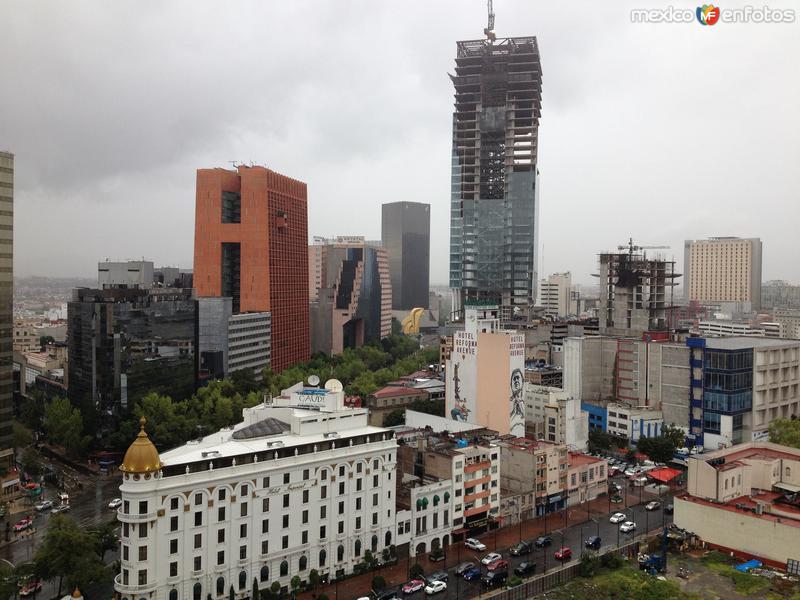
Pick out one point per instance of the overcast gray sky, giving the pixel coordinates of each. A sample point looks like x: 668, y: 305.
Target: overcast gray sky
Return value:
x: 662, y: 132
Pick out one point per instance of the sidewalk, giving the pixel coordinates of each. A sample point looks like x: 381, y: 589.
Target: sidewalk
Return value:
x: 504, y: 537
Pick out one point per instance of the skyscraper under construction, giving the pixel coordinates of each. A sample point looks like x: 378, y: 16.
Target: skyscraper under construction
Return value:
x: 494, y: 215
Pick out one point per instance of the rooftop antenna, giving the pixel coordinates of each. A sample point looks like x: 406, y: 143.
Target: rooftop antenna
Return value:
x: 489, y: 31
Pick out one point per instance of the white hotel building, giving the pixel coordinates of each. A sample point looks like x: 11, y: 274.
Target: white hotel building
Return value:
x: 301, y: 483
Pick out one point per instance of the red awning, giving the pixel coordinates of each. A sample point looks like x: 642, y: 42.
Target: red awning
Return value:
x: 664, y: 474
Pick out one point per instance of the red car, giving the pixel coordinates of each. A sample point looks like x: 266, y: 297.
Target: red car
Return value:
x: 500, y: 564
x: 412, y: 586
x: 23, y: 524
x: 563, y: 554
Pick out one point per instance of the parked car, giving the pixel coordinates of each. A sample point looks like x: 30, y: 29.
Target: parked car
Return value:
x: 60, y: 508
x: 434, y: 587
x: 472, y: 574
x: 654, y: 505
x: 627, y: 527
x: 30, y: 588
x: 563, y: 554
x: 498, y: 565
x: 525, y: 568
x: 669, y: 509
x: 43, y: 505
x: 618, y: 517
x: 387, y: 595
x: 412, y: 586
x: 115, y: 503
x: 520, y: 549
x: 593, y: 542
x: 23, y: 524
x: 490, y: 558
x: 437, y: 576
x: 464, y: 567
x: 543, y: 541
x: 494, y: 579
x: 474, y: 544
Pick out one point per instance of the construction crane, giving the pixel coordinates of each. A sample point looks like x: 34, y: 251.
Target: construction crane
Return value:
x: 489, y: 31
x: 631, y: 247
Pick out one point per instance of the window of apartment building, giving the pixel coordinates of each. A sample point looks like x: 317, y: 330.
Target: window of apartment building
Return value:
x: 341, y: 488
x: 304, y: 517
x: 243, y: 530
x: 305, y: 496
x: 222, y: 494
x: 286, y: 478
x: 359, y: 467
x: 323, y: 492
x: 374, y: 518
x: 305, y: 474
x: 341, y: 527
x: 173, y: 504
x: 220, y: 536
x: 265, y: 526
x: 304, y: 537
x: 375, y: 481
x: 286, y: 501
x: 198, y: 540
x: 173, y: 569
x: 285, y: 521
x: 242, y: 552
x: 323, y: 512
x: 341, y: 471
x: 126, y: 507
x: 358, y: 523
x: 341, y: 508
x: 265, y: 505
x: 173, y: 524
x: 143, y: 576
x: 142, y: 552
x: 142, y: 530
x: 323, y: 474
x: 284, y: 542
x: 125, y: 551
x: 358, y: 503
x: 143, y: 507
x: 198, y: 519
x: 374, y: 499
x: 221, y: 513
x: 198, y: 499
x: 198, y: 563
x: 243, y: 509
x: 265, y: 547
x: 265, y: 482
x: 459, y: 464
x: 375, y: 464
x: 221, y: 557
x: 322, y: 532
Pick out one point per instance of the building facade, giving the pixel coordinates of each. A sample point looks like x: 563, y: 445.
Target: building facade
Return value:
x: 554, y: 416
x: 494, y: 209
x: 740, y: 385
x: 126, y: 274
x: 126, y: 343
x: 535, y: 466
x: 788, y: 320
x: 6, y: 306
x: 555, y: 295
x: 388, y: 399
x: 406, y: 236
x: 633, y: 423
x: 251, y: 244
x: 485, y: 373
x: 353, y: 301
x: 723, y: 269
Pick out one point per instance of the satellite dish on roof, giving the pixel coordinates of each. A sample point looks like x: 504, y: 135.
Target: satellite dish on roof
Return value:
x: 313, y: 380
x: 334, y: 385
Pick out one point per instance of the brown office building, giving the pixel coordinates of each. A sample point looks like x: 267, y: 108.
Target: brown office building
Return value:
x: 251, y: 244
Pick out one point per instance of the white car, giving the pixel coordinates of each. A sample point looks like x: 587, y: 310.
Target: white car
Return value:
x: 630, y: 472
x: 474, y: 544
x: 490, y: 558
x: 627, y: 526
x: 434, y: 587
x: 44, y: 505
x: 115, y: 503
x: 618, y: 518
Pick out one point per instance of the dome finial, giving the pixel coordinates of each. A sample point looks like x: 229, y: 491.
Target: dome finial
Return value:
x: 142, y: 422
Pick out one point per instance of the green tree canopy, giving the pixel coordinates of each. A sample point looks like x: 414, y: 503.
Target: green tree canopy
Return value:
x: 64, y: 426
x: 785, y: 432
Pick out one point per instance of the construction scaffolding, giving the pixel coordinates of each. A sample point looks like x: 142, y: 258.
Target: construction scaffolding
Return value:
x: 636, y: 292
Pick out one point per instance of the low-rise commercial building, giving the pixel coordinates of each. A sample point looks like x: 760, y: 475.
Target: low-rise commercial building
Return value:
x: 301, y: 483
x: 535, y: 466
x: 588, y: 478
x: 390, y: 398
x: 633, y: 422
x: 553, y: 415
x: 743, y: 500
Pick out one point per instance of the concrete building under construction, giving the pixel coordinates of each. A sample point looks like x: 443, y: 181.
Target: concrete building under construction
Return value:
x: 494, y: 187
x: 635, y: 291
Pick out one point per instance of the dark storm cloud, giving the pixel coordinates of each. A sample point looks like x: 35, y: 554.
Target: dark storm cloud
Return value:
x: 662, y: 132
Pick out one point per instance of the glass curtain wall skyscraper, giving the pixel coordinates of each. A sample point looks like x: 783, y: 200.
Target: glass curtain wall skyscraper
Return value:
x: 494, y: 195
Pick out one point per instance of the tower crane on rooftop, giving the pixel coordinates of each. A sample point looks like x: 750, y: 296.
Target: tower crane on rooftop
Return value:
x: 489, y: 31
x: 631, y: 247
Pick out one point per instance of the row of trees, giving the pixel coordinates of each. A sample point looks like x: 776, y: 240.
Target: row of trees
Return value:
x: 785, y: 432
x: 660, y: 448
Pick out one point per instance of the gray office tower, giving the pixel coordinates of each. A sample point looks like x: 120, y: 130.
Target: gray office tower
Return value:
x: 494, y: 215
x: 6, y: 309
x: 406, y: 236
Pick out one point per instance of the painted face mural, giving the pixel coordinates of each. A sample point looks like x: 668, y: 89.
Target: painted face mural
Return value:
x: 460, y: 411
x: 517, y: 414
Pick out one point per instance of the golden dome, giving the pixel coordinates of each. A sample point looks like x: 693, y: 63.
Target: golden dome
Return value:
x: 142, y: 456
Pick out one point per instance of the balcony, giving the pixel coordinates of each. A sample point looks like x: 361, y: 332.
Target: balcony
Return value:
x: 134, y: 518
x: 477, y: 510
x: 478, y: 466
x: 132, y: 588
x: 477, y: 495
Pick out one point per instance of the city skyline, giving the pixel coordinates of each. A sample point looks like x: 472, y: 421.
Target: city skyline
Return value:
x: 612, y: 114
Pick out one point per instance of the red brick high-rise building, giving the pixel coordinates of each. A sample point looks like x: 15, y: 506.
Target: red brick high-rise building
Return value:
x: 251, y: 243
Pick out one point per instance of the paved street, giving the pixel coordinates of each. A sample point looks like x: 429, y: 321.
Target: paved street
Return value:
x: 580, y: 524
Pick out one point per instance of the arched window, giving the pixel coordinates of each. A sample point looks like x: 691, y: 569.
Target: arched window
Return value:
x: 358, y: 548
x: 340, y: 554
x: 242, y: 579
x: 264, y: 573
x: 374, y: 544
x: 388, y: 539
x: 322, y: 557
x: 436, y: 500
x: 173, y: 595
x: 284, y: 569
x: 197, y: 591
x: 303, y: 563
x: 220, y: 586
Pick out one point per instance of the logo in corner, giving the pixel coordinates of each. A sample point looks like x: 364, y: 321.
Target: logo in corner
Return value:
x: 708, y: 14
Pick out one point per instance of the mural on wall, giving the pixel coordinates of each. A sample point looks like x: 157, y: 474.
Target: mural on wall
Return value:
x: 517, y: 414
x: 459, y: 412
